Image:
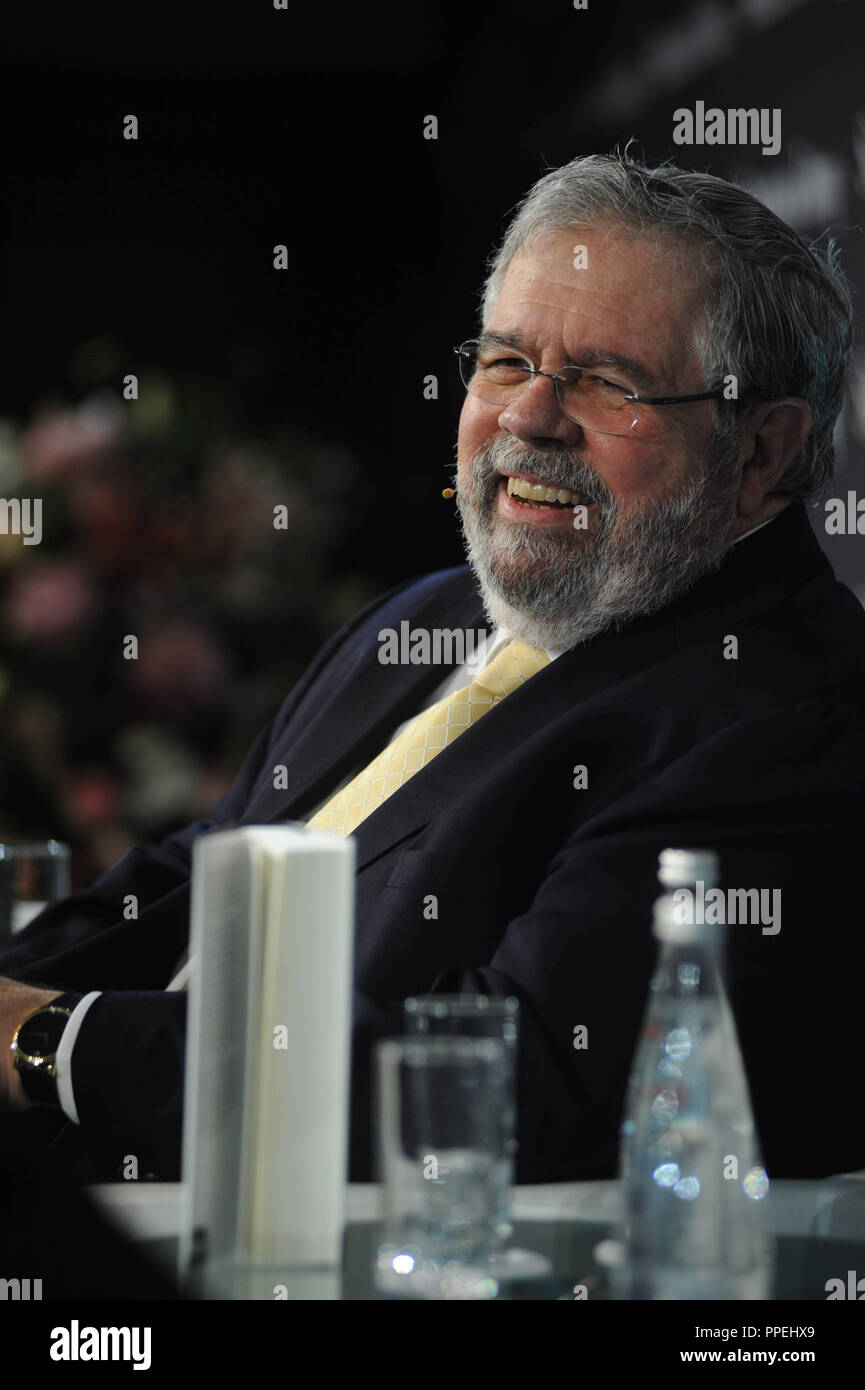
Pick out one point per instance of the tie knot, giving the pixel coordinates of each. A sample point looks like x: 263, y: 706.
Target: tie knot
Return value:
x: 513, y: 665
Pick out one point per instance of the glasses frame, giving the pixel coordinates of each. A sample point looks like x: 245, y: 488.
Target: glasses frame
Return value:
x: 532, y: 371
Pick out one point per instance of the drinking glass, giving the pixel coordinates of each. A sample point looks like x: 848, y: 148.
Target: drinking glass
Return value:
x: 444, y: 1119
x: 32, y: 874
x: 478, y: 1016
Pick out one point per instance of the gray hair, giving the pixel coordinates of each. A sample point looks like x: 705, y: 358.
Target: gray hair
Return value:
x: 779, y: 316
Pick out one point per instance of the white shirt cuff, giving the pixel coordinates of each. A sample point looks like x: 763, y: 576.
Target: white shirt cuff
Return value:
x: 65, y: 1093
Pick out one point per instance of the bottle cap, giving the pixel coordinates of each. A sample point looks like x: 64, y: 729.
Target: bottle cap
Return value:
x: 681, y: 868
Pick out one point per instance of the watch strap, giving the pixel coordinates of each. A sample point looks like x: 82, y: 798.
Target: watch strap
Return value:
x: 37, y: 1068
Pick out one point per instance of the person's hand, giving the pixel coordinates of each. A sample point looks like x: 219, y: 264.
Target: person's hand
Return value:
x: 17, y: 1000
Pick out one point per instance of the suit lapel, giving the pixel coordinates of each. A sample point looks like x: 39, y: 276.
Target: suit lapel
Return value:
x: 343, y: 725
x: 536, y: 713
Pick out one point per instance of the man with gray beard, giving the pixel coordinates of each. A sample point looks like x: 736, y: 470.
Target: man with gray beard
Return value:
x: 666, y: 660
x: 639, y: 560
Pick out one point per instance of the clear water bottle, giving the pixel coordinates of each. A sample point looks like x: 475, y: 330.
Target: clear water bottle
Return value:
x: 694, y: 1187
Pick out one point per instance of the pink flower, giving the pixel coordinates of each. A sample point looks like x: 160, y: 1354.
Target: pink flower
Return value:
x: 64, y: 442
x: 52, y: 602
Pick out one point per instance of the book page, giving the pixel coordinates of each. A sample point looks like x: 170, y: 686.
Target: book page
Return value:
x: 215, y: 1042
x: 299, y: 1145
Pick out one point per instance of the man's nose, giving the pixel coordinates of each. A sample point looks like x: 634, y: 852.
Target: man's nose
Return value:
x: 535, y: 416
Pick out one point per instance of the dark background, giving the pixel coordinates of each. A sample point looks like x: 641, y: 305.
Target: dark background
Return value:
x: 301, y: 387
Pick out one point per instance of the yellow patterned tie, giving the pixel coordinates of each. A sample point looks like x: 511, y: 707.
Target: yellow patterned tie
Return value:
x: 426, y: 736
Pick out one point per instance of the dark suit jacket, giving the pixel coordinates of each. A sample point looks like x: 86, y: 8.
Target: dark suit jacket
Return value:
x: 544, y: 890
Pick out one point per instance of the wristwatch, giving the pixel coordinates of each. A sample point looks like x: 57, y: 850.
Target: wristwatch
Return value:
x: 35, y: 1044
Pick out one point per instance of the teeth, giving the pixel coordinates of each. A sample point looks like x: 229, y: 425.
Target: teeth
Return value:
x: 539, y: 492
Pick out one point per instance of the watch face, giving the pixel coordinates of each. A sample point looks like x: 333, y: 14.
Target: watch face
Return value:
x: 40, y: 1035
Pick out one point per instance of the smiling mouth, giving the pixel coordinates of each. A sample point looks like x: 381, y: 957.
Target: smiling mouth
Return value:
x: 544, y: 495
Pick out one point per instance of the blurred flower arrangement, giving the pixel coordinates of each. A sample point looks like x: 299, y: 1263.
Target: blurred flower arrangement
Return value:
x: 157, y: 523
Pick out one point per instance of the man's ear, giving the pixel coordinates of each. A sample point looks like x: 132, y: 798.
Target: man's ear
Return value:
x: 773, y: 435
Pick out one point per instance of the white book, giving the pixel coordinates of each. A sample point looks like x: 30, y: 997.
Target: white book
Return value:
x: 266, y: 1111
